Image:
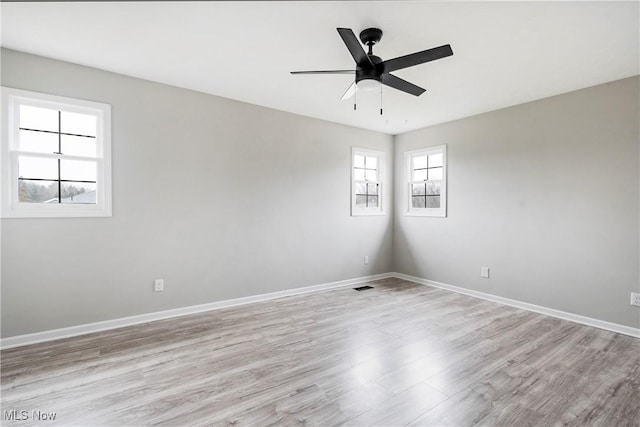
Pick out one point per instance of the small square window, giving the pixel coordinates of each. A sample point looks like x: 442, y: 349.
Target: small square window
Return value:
x: 56, y: 156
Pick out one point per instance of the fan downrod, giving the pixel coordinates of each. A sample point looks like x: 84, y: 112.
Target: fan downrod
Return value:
x: 369, y: 37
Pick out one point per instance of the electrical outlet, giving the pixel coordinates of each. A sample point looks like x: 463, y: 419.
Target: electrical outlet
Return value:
x: 635, y: 298
x: 484, y: 272
x: 158, y: 285
x: 366, y: 260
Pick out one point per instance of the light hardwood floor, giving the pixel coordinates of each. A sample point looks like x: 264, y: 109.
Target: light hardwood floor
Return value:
x: 398, y: 354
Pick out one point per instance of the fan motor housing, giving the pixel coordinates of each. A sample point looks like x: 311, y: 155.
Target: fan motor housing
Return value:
x: 368, y: 72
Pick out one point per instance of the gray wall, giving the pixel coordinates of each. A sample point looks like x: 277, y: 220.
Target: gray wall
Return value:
x: 545, y: 194
x: 224, y: 199
x: 221, y: 199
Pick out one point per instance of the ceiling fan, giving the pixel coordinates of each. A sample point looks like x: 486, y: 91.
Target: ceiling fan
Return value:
x: 371, y: 69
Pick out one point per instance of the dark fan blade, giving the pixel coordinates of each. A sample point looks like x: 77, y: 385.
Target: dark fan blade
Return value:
x: 417, y: 58
x: 324, y: 72
x: 403, y: 85
x: 354, y: 46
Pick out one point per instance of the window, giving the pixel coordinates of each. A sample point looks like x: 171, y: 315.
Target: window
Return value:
x: 366, y: 182
x: 56, y: 156
x: 427, y: 181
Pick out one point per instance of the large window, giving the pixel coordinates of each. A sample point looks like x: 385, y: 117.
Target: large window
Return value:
x: 55, y: 156
x: 427, y: 181
x: 366, y: 182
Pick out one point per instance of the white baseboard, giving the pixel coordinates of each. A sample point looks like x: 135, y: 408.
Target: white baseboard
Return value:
x: 54, y: 334
x: 71, y: 331
x: 609, y: 326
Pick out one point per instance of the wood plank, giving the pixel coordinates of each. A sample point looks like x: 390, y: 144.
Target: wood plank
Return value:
x: 398, y: 354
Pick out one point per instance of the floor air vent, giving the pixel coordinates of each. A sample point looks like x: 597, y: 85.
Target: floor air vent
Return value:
x: 362, y: 288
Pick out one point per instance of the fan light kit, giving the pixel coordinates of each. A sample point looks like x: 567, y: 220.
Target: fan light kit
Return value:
x: 372, y: 72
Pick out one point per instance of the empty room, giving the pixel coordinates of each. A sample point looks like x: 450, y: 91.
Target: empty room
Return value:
x: 323, y: 213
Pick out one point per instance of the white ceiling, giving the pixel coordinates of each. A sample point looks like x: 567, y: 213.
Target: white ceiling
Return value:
x: 505, y: 53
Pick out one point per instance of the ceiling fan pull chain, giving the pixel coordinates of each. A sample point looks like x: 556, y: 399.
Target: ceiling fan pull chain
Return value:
x: 380, y: 99
x: 355, y: 100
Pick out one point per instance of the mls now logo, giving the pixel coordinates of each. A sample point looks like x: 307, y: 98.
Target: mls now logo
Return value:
x: 16, y: 415
x: 23, y: 415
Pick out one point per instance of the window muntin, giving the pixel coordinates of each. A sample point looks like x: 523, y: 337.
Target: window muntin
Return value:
x: 56, y: 154
x: 427, y: 181
x: 366, y: 182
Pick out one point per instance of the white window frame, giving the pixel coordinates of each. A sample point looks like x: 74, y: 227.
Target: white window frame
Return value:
x: 379, y: 210
x: 11, y: 206
x: 408, y: 162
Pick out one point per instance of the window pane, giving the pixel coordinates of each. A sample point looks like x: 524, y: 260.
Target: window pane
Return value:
x: 417, y: 202
x: 433, y: 201
x: 39, y: 142
x: 361, y: 201
x: 79, y: 124
x: 37, y: 191
x: 77, y: 170
x: 372, y: 162
x: 358, y: 174
x: 373, y: 201
x: 38, y: 118
x: 78, y: 146
x: 358, y: 161
x: 433, y: 187
x: 371, y: 175
x: 435, y: 174
x: 419, y: 162
x: 78, y: 193
x: 420, y: 175
x: 36, y: 167
x: 373, y: 189
x: 418, y: 189
x: 435, y: 160
x: 361, y: 188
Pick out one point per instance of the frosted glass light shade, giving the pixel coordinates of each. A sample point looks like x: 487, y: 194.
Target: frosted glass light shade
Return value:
x: 368, y: 85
